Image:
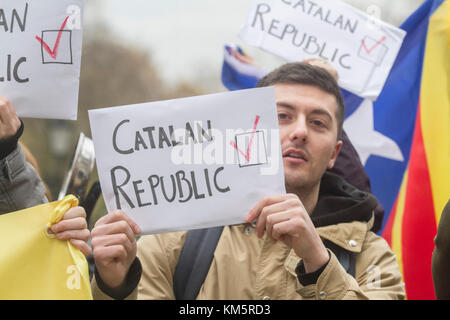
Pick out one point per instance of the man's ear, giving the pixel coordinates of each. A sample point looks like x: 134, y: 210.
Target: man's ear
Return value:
x: 335, y: 154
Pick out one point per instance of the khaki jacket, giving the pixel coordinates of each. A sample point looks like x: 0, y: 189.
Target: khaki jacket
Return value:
x: 246, y: 267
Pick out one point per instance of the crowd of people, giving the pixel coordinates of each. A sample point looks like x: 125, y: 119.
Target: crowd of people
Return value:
x: 317, y: 241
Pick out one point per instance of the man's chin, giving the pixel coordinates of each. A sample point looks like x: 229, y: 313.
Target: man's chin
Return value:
x: 296, y: 181
x: 299, y: 179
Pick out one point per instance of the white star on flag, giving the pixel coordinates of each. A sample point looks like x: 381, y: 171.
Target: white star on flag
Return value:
x: 360, y: 129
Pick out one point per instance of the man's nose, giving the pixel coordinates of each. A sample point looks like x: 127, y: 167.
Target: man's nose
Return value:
x: 299, y: 131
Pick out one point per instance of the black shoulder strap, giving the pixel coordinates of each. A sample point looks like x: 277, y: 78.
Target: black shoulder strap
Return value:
x: 198, y: 252
x: 194, y: 262
x: 346, y: 258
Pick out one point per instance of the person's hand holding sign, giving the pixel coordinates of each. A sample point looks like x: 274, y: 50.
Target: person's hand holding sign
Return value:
x: 324, y: 65
x: 284, y: 218
x: 114, y: 247
x: 9, y: 122
x: 73, y: 227
x: 11, y: 128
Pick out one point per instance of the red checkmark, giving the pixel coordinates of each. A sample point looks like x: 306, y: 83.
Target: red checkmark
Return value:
x: 247, y: 154
x: 369, y: 51
x: 53, y: 53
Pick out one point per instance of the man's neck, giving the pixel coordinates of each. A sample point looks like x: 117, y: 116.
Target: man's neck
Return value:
x: 308, y: 196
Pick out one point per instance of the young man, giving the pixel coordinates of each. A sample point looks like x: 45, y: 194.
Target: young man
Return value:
x: 287, y: 248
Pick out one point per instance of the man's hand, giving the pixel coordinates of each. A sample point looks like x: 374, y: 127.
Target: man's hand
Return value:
x: 73, y: 227
x: 283, y: 217
x: 9, y: 122
x: 114, y: 246
x: 324, y: 65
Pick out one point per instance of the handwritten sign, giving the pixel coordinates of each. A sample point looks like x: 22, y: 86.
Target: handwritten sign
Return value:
x: 189, y: 163
x: 361, y: 48
x: 40, y: 56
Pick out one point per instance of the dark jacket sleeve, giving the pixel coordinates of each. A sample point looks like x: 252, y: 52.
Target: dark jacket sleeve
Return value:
x: 20, y: 185
x: 441, y: 256
x: 7, y: 146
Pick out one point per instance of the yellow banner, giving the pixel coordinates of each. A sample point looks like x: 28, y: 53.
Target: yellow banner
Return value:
x: 35, y: 264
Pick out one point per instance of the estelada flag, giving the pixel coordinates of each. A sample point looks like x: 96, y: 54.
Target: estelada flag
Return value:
x: 34, y: 264
x: 425, y: 188
x: 403, y: 139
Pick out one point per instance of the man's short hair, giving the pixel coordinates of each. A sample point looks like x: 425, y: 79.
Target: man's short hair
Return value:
x: 306, y: 74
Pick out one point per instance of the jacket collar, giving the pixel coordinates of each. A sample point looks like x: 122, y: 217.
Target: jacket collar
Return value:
x: 343, y: 214
x: 339, y: 202
x: 348, y: 235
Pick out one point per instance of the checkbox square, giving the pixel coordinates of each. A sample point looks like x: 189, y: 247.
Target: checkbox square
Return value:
x: 253, y: 149
x: 372, y: 50
x: 64, y: 53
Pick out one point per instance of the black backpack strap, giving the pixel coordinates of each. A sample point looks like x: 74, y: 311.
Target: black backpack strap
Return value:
x: 346, y: 258
x: 194, y: 262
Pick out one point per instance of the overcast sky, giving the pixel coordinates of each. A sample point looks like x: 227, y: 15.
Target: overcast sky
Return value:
x: 186, y: 37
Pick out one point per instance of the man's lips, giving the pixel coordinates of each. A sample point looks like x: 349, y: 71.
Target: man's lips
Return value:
x: 295, y: 154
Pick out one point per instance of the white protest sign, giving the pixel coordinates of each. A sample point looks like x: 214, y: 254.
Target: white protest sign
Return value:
x: 40, y: 56
x: 189, y: 163
x: 361, y: 48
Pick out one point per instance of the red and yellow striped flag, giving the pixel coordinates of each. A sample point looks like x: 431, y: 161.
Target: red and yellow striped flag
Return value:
x: 425, y: 187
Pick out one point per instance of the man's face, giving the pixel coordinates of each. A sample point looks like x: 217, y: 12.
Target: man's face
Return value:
x: 308, y: 131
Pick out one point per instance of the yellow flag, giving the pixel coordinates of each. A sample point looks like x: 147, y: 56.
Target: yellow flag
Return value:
x: 35, y: 264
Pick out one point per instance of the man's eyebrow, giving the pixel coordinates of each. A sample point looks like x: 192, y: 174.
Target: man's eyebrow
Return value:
x: 322, y: 112
x: 285, y: 105
x: 317, y: 111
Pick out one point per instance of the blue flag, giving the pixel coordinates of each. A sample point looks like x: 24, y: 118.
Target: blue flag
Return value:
x: 237, y: 73
x: 381, y: 131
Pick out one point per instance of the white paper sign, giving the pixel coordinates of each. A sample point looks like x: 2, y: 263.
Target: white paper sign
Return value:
x: 361, y: 48
x: 40, y: 56
x: 189, y: 163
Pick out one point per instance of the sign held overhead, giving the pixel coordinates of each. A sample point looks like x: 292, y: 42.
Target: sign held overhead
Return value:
x: 361, y: 49
x: 40, y: 65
